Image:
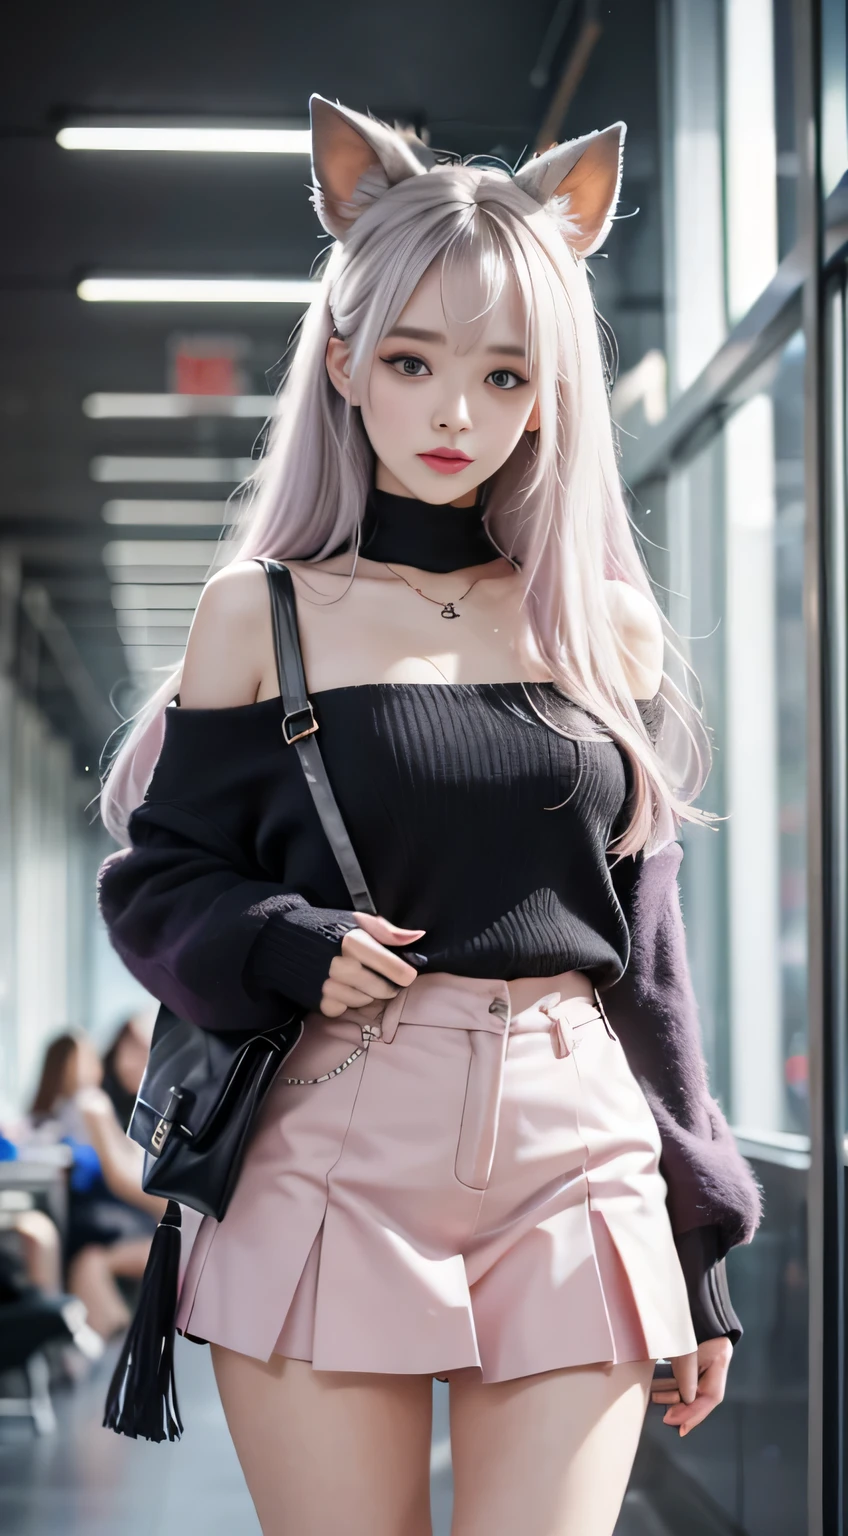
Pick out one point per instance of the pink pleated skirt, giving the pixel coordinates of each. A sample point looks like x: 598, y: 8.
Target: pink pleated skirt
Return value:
x: 477, y: 1194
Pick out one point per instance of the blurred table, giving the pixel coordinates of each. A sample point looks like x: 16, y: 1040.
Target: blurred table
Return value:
x: 42, y: 1178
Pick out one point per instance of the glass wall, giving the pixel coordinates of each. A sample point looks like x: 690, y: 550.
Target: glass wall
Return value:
x: 735, y: 540
x: 46, y: 874
x: 737, y: 520
x: 730, y: 167
x: 734, y: 554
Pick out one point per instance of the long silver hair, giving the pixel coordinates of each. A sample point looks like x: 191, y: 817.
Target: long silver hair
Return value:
x: 556, y: 507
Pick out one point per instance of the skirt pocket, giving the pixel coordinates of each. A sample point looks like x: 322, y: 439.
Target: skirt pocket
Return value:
x: 478, y: 1126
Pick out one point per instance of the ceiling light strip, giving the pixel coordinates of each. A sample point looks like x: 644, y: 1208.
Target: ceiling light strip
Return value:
x: 168, y: 514
x: 124, y: 552
x: 150, y: 595
x: 106, y: 407
x: 127, y: 468
x: 176, y: 139
x: 197, y: 290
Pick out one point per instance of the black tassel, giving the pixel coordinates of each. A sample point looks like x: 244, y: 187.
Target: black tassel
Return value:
x: 142, y: 1397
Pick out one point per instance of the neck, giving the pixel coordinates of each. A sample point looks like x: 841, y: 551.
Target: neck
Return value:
x: 405, y: 531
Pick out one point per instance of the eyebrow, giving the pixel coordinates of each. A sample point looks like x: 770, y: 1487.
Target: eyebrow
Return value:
x: 412, y: 333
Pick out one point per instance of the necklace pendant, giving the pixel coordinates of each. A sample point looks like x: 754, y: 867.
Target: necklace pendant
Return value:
x: 449, y: 612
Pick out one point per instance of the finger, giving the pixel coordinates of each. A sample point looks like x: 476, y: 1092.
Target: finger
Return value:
x: 685, y: 1368
x: 695, y: 1413
x: 343, y: 991
x: 663, y: 1377
x: 334, y: 1007
x: 351, y: 973
x: 386, y: 932
x: 338, y: 1000
x: 710, y: 1393
x: 362, y: 947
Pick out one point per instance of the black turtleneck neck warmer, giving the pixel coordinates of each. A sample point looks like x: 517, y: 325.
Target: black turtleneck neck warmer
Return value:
x: 405, y: 531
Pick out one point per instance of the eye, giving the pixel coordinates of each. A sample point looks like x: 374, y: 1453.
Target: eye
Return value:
x: 409, y: 366
x: 504, y: 378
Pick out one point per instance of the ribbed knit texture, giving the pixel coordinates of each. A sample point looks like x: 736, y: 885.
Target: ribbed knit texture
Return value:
x: 706, y: 1284
x: 475, y: 821
x: 296, y: 947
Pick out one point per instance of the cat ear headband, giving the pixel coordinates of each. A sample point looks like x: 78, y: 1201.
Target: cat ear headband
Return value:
x: 355, y: 159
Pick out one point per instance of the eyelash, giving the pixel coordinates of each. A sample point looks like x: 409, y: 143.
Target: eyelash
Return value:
x: 408, y: 357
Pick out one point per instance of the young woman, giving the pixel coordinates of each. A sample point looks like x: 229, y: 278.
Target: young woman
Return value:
x: 519, y: 1182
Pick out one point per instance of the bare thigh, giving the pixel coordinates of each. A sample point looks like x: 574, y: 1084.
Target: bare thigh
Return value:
x: 329, y: 1451
x: 547, y: 1455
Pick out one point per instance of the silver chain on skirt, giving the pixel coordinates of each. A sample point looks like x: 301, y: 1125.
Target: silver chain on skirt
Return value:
x: 369, y: 1032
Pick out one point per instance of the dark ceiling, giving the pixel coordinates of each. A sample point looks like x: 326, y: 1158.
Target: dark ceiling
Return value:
x: 463, y: 71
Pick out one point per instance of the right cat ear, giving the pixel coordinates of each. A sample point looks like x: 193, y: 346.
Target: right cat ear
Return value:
x: 584, y: 176
x: 355, y: 159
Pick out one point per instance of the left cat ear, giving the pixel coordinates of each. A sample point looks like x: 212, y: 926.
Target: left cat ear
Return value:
x: 355, y: 159
x: 586, y: 172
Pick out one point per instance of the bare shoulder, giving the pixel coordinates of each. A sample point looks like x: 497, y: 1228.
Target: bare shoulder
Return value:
x: 228, y: 642
x: 640, y: 636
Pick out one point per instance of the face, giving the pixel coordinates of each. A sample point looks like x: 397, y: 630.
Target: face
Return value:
x: 446, y: 403
x: 130, y: 1061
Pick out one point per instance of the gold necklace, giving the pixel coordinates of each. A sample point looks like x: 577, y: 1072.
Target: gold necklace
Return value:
x: 448, y: 609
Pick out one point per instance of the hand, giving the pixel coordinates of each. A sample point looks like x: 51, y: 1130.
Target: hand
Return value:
x: 94, y: 1105
x: 365, y: 969
x: 698, y: 1386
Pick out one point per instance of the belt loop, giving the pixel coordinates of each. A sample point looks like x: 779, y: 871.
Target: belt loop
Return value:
x: 500, y: 1007
x: 602, y: 1011
x: 562, y: 1037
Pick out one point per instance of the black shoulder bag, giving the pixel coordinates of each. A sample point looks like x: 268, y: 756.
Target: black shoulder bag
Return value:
x: 201, y: 1090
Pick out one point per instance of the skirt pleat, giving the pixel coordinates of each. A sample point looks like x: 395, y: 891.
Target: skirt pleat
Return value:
x: 476, y: 1195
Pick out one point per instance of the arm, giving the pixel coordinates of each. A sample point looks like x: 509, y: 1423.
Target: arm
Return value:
x: 121, y: 1160
x: 188, y: 906
x: 714, y: 1201
x: 713, y: 1198
x: 706, y: 1283
x: 185, y: 914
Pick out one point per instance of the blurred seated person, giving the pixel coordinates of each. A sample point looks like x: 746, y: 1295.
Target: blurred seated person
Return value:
x: 124, y: 1063
x: 108, y: 1237
x: 40, y: 1247
x: 33, y: 1309
x: 121, y: 1160
x: 33, y: 1316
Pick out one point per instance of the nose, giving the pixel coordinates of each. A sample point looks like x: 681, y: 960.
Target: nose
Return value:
x: 452, y: 414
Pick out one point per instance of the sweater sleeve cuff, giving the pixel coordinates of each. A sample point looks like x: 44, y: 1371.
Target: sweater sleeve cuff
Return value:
x: 706, y: 1284
x: 293, y: 952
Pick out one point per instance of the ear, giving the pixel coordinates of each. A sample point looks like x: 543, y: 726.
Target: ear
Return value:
x: 337, y: 360
x: 356, y: 159
x: 585, y: 172
x: 532, y: 422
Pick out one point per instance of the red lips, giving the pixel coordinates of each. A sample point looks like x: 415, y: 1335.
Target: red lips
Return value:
x: 446, y: 461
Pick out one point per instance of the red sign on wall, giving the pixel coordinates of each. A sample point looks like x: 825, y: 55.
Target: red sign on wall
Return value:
x: 208, y: 365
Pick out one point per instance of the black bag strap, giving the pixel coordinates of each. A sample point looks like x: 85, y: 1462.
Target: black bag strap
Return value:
x: 300, y: 725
